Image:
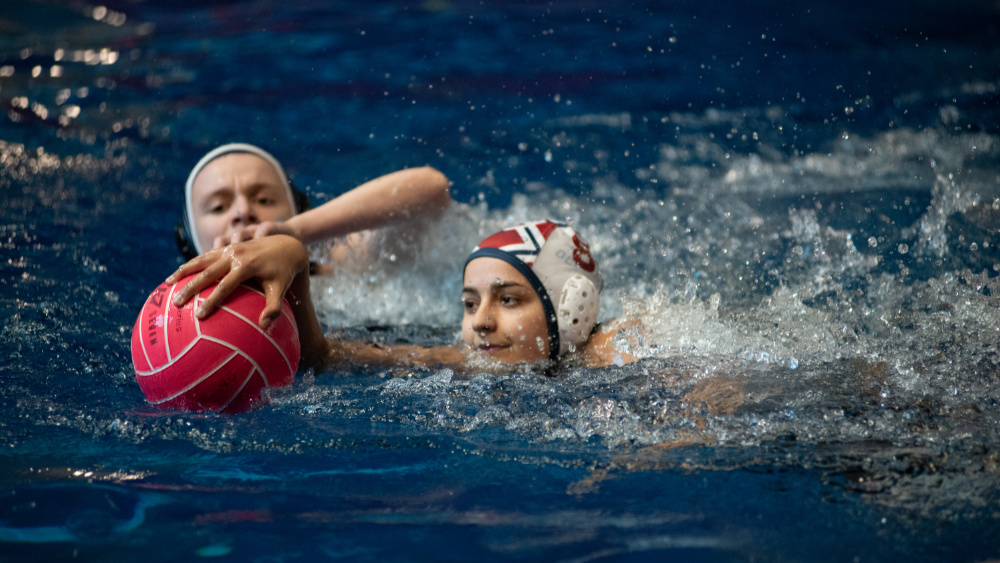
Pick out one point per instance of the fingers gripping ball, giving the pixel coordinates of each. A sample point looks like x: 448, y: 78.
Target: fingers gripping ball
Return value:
x: 221, y: 363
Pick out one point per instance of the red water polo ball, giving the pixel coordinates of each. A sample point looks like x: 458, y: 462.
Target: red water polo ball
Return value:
x: 222, y: 363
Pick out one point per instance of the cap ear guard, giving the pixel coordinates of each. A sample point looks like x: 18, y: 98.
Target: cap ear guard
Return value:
x: 577, y: 311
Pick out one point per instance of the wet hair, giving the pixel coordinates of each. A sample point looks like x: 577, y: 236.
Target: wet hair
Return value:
x: 187, y: 243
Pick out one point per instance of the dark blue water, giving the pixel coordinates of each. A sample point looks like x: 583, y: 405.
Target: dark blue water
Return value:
x: 802, y: 201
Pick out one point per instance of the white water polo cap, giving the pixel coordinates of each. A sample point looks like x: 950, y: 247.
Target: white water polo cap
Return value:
x: 189, y: 222
x: 558, y: 265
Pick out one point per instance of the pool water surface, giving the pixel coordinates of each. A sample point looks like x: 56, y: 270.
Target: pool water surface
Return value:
x: 800, y: 200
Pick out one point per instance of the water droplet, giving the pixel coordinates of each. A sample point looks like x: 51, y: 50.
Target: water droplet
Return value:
x: 904, y: 248
x: 872, y: 242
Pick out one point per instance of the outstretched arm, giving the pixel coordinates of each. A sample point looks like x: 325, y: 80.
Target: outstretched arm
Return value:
x: 399, y: 197
x: 413, y: 193
x: 393, y: 355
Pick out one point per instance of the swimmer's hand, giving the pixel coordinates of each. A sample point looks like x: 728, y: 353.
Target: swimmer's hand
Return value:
x: 278, y: 263
x: 261, y: 230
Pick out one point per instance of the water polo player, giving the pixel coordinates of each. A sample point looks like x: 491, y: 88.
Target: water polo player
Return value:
x: 238, y: 192
x: 531, y: 293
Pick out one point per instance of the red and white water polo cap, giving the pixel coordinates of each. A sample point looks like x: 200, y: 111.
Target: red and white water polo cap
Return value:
x: 558, y: 265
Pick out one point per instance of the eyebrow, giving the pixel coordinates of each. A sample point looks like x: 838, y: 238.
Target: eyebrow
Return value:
x: 253, y: 189
x: 261, y: 185
x: 495, y: 286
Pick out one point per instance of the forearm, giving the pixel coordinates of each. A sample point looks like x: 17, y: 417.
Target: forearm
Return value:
x: 388, y: 356
x: 316, y: 350
x: 412, y: 193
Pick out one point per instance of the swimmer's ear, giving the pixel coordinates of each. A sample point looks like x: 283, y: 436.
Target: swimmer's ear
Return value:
x: 183, y: 240
x: 300, y: 199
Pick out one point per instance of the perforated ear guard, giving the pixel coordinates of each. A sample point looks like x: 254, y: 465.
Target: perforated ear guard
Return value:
x: 577, y: 311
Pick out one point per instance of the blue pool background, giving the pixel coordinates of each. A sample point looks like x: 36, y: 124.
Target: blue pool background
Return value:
x: 801, y: 200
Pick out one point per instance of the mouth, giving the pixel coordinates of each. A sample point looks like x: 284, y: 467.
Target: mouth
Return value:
x: 490, y: 349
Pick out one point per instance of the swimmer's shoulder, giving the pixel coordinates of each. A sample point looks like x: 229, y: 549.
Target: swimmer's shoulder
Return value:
x: 600, y: 350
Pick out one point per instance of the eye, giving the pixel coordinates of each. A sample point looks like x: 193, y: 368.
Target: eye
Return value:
x: 217, y: 208
x: 469, y: 305
x: 265, y: 201
x: 508, y: 301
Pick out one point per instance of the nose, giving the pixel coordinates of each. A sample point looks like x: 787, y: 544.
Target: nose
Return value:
x: 483, y: 320
x: 242, y: 212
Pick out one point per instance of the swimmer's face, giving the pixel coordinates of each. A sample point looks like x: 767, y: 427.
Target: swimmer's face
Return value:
x: 234, y: 191
x: 504, y: 317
